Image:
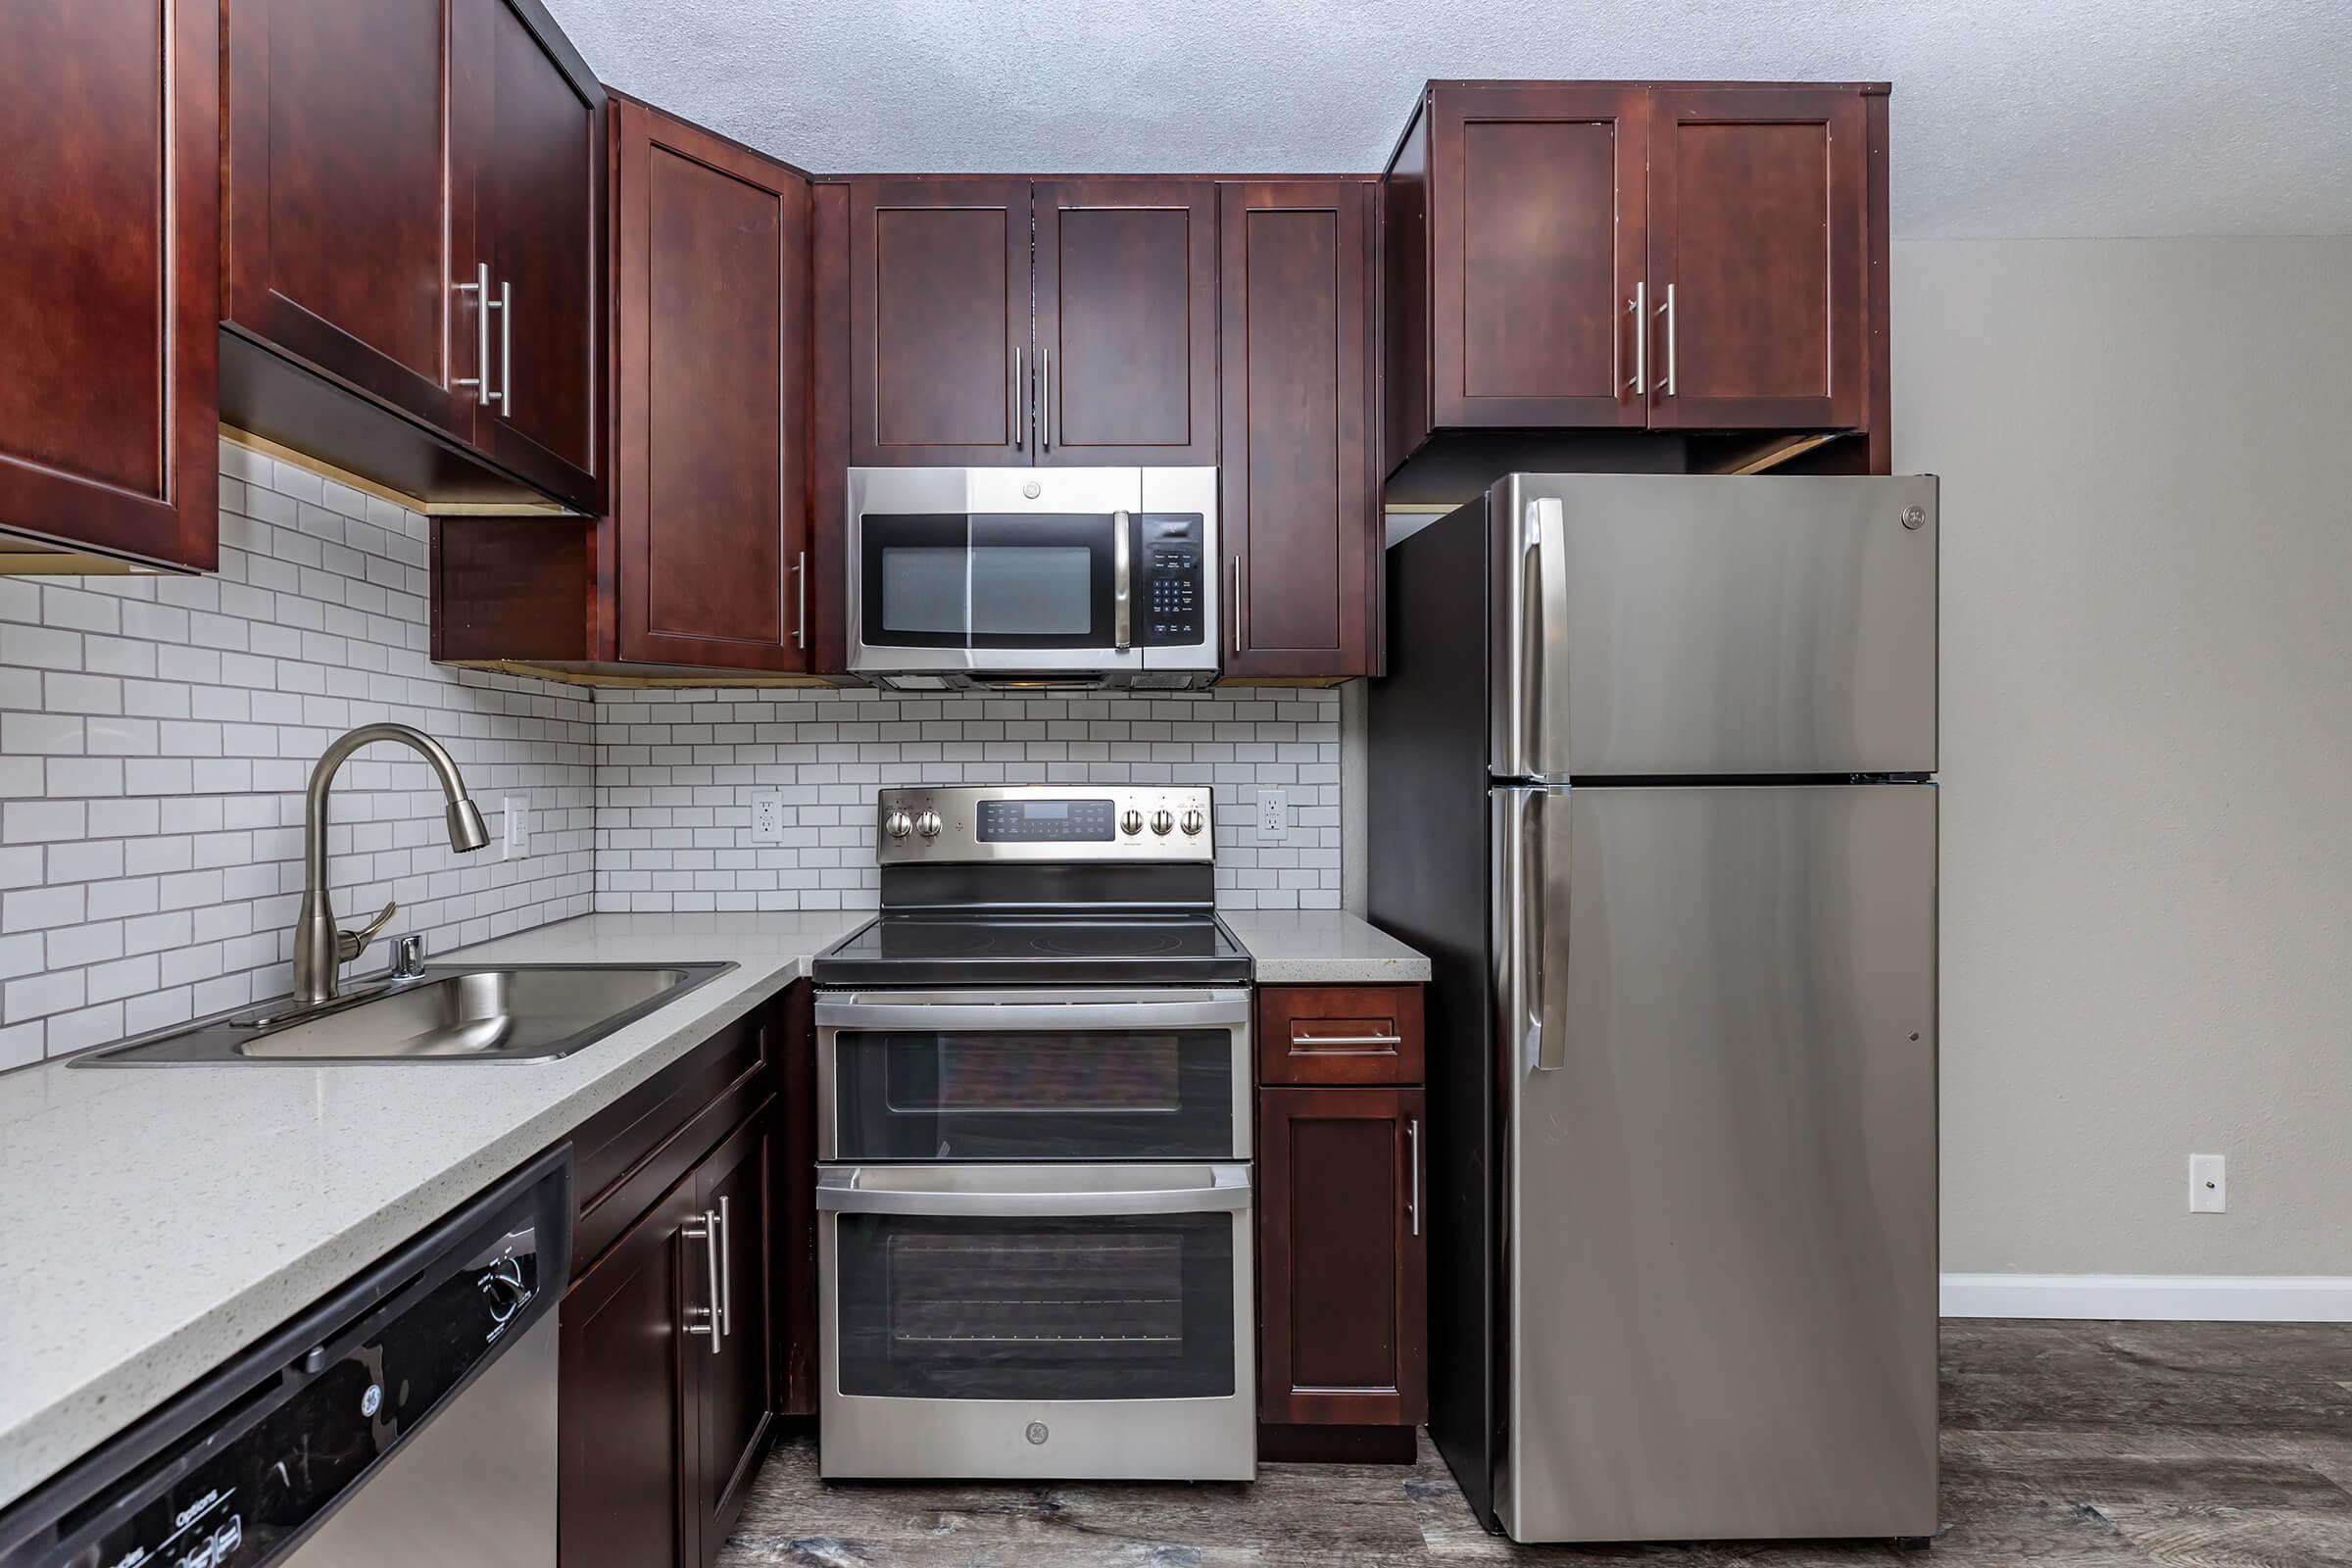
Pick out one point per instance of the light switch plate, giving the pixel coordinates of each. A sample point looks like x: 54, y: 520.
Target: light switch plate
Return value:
x: 514, y: 843
x: 1273, y: 815
x: 767, y: 816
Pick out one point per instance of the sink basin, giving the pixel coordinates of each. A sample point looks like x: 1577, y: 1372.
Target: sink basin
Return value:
x: 518, y: 1012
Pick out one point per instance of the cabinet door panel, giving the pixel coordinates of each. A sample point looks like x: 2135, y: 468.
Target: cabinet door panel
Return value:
x: 349, y: 202
x: 736, y: 1381
x: 1536, y: 213
x: 626, y: 1446
x: 1296, y: 509
x: 710, y: 492
x: 1341, y: 1271
x: 1126, y: 322
x: 1758, y: 201
x: 112, y: 275
x: 543, y: 180
x: 939, y: 301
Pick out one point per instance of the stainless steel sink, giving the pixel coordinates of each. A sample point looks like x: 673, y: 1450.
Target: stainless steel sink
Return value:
x: 516, y: 1012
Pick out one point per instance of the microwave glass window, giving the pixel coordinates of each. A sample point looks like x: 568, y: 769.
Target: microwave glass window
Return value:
x: 924, y: 590
x: 1126, y: 1307
x: 1019, y: 590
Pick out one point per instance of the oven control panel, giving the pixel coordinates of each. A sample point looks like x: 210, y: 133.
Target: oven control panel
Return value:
x: 1078, y: 822
x: 1169, y: 603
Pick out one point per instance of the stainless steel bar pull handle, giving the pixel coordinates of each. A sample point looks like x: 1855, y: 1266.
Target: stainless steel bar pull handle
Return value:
x: 483, y: 304
x: 506, y: 348
x: 1045, y: 399
x: 799, y: 578
x: 704, y: 1319
x: 1016, y: 406
x: 1667, y: 310
x: 1350, y: 1039
x: 1639, y: 306
x: 1121, y: 574
x: 1412, y: 1133
x: 723, y: 1245
x: 1233, y: 612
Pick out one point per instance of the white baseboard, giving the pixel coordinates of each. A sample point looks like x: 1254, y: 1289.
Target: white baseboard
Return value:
x: 2184, y: 1297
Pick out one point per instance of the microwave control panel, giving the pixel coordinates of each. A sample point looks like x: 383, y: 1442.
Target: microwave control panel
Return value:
x: 1169, y: 597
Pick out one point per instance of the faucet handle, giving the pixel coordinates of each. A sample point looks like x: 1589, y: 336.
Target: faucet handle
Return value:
x: 348, y: 945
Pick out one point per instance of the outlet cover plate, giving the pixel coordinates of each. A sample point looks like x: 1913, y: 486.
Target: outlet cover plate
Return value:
x: 514, y: 843
x: 1273, y: 816
x: 2207, y: 1183
x: 767, y: 816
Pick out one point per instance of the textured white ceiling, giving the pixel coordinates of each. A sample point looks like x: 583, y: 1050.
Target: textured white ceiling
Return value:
x: 2012, y: 118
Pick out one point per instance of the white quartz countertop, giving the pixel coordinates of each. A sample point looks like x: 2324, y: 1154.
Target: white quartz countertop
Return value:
x: 155, y: 1220
x: 1322, y: 948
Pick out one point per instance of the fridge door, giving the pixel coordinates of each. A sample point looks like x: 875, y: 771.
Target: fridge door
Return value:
x: 1718, y: 1038
x: 1653, y: 625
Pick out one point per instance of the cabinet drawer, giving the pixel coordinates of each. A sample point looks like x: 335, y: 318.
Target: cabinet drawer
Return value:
x: 1338, y: 1034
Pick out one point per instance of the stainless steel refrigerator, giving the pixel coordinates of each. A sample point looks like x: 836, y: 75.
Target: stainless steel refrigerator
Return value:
x: 1648, y: 779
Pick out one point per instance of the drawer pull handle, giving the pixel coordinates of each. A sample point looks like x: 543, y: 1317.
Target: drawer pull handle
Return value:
x: 1347, y: 1039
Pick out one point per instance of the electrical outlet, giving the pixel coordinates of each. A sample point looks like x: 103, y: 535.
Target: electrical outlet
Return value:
x: 514, y: 841
x: 1273, y: 815
x: 2207, y: 1183
x: 767, y: 816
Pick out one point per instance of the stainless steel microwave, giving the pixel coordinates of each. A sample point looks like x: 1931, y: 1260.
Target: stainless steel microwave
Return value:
x: 1033, y: 577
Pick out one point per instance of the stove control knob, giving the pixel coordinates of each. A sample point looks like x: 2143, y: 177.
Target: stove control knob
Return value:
x: 1132, y: 823
x: 898, y: 824
x: 927, y: 825
x: 1191, y: 819
x: 1161, y: 822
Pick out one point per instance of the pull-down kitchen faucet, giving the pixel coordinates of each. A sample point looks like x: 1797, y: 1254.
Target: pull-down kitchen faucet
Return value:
x: 320, y: 950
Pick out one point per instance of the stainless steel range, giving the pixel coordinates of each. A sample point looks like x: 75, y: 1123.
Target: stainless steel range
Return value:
x: 1034, y: 1198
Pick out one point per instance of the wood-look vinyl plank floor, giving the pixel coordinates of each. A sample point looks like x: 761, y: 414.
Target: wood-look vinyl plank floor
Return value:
x: 2065, y: 1445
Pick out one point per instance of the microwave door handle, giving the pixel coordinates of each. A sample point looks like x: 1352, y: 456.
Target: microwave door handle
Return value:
x: 847, y: 1192
x: 1121, y: 573
x: 853, y: 1013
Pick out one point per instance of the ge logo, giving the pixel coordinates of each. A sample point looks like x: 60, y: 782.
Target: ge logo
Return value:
x: 372, y: 1400
x: 1036, y: 1432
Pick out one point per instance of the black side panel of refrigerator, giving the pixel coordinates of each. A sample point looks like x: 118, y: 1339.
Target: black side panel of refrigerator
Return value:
x: 1429, y: 856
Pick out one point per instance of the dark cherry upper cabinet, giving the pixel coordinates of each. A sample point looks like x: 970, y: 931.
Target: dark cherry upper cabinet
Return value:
x: 1297, y: 507
x: 1563, y: 256
x: 1126, y: 280
x: 1342, y: 1261
x: 1759, y: 258
x: 710, y: 491
x: 108, y: 439
x: 939, y: 308
x: 380, y: 163
x: 736, y: 1379
x: 540, y: 203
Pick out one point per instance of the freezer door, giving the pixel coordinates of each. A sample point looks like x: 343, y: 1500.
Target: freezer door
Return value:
x: 1720, y: 1161
x: 1672, y: 626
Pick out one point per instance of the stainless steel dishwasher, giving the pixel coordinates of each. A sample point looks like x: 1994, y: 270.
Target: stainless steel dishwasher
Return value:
x: 409, y: 1417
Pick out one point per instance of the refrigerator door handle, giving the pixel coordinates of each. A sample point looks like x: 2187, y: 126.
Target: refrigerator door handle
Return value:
x: 1551, y: 932
x: 1543, y: 641
x: 1533, y: 1024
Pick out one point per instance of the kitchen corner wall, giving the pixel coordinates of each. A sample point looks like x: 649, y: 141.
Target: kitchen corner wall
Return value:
x: 677, y: 769
x: 155, y: 737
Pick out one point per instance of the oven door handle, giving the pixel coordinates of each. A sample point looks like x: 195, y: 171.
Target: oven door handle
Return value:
x: 1053, y: 1017
x: 843, y: 1192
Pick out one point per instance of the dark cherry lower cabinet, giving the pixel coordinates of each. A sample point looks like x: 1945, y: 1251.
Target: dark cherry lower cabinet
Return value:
x: 108, y: 269
x: 1299, y: 506
x: 678, y: 1332
x: 1343, y: 1255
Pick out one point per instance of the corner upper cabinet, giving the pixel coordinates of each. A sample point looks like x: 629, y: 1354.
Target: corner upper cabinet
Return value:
x: 939, y: 322
x: 109, y: 225
x: 1297, y: 507
x: 413, y: 195
x: 1589, y: 254
x: 1126, y: 281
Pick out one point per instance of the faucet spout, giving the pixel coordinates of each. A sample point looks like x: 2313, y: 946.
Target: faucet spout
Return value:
x: 318, y: 963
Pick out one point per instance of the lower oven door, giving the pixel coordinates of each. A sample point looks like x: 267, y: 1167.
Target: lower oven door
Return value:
x: 1053, y: 1322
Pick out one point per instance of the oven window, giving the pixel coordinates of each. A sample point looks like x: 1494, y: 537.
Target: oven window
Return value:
x: 1034, y: 1096
x: 1127, y: 1308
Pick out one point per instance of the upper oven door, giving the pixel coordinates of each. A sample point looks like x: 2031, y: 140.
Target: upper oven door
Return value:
x: 1031, y: 1075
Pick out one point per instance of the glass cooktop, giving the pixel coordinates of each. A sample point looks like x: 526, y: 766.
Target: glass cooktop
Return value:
x: 1058, y: 950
